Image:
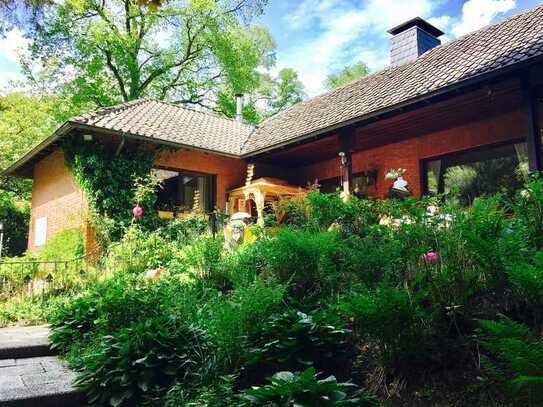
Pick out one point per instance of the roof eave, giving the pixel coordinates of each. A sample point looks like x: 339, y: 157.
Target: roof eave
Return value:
x: 17, y: 168
x: 399, y: 107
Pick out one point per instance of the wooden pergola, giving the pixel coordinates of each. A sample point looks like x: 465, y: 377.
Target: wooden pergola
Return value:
x: 261, y: 191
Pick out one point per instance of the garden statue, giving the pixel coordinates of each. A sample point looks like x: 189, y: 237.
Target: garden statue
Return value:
x: 234, y: 230
x: 399, y: 188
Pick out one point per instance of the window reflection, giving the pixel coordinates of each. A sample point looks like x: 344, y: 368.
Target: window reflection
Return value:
x: 474, y: 173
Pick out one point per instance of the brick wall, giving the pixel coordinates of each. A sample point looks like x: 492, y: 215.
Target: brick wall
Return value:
x: 230, y: 172
x: 55, y: 196
x: 409, y: 153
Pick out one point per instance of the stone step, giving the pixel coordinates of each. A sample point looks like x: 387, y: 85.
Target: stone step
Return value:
x: 39, y: 381
x: 24, y: 342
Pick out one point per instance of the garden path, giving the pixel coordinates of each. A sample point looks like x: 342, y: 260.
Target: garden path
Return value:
x: 30, y: 373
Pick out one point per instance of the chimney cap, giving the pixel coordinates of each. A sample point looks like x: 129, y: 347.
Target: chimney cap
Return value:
x: 416, y: 22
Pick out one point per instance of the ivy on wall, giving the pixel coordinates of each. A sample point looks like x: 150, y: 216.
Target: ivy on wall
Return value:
x: 108, y: 178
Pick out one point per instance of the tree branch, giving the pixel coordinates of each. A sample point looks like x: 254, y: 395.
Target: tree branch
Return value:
x: 115, y: 71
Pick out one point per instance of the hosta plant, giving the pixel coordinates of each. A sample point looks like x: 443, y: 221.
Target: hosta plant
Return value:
x: 294, y: 340
x: 306, y: 389
x: 137, y: 364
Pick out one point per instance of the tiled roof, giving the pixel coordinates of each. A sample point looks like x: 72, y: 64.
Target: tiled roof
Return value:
x: 484, y: 51
x: 167, y: 122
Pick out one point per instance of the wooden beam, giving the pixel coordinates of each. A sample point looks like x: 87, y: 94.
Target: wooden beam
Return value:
x: 346, y: 141
x: 533, y: 138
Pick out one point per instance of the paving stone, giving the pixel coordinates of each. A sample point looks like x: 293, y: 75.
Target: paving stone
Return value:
x: 48, y: 377
x: 11, y: 382
x: 7, y: 362
x: 21, y: 369
x: 37, y: 359
x: 30, y: 376
x: 22, y: 342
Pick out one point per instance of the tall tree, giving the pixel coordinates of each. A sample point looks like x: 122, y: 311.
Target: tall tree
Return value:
x: 24, y: 122
x: 346, y: 75
x: 272, y: 95
x: 110, y: 51
x: 19, y: 13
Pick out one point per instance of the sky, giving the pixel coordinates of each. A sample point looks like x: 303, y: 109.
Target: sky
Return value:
x: 318, y: 37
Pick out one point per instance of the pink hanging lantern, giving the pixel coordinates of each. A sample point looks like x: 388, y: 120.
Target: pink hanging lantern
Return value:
x: 137, y: 211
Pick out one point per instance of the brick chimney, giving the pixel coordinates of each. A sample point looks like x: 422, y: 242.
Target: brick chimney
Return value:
x: 412, y: 39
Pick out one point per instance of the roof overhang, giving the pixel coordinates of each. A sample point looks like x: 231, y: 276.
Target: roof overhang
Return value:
x: 23, y: 166
x: 517, y: 69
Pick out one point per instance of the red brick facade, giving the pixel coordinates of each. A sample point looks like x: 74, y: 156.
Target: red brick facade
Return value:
x: 56, y: 197
x: 409, y: 153
x: 230, y: 172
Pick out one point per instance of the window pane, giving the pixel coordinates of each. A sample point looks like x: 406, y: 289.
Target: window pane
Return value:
x: 478, y: 172
x: 184, y: 192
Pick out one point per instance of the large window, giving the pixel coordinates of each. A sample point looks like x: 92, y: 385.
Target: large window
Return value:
x: 185, y: 191
x: 482, y: 171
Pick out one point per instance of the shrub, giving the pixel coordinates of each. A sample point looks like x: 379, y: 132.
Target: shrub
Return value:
x: 139, y: 363
x: 231, y: 318
x: 309, y: 262
x: 67, y: 244
x: 526, y: 280
x: 184, y: 230
x: 217, y: 394
x: 388, y: 317
x: 306, y: 389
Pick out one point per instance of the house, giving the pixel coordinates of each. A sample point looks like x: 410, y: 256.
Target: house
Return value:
x: 444, y: 113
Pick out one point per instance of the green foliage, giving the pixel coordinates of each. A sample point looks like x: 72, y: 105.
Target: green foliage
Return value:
x: 16, y: 218
x: 346, y: 75
x: 388, y: 317
x: 108, y: 180
x: 345, y: 288
x: 218, y: 394
x: 518, y: 358
x: 36, y: 309
x: 24, y: 122
x: 67, y: 244
x: 294, y: 340
x: 124, y: 50
x: 138, y: 363
x: 308, y: 262
x: 230, y: 319
x: 306, y: 389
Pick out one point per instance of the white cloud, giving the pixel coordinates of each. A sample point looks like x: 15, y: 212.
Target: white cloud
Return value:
x: 344, y: 34
x: 12, y: 44
x: 478, y: 13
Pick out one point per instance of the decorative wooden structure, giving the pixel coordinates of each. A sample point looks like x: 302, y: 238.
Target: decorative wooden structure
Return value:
x: 255, y: 195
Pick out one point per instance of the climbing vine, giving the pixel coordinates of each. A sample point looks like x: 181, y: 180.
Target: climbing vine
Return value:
x: 107, y: 177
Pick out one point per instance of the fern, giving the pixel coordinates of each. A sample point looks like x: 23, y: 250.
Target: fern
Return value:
x: 515, y: 358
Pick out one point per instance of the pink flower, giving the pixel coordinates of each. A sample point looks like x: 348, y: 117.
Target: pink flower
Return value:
x: 430, y: 257
x: 137, y: 211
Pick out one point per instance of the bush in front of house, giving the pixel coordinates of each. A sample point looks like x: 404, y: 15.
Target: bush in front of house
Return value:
x: 416, y: 302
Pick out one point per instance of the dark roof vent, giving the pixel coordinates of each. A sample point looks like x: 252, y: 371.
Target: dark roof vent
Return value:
x: 412, y: 39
